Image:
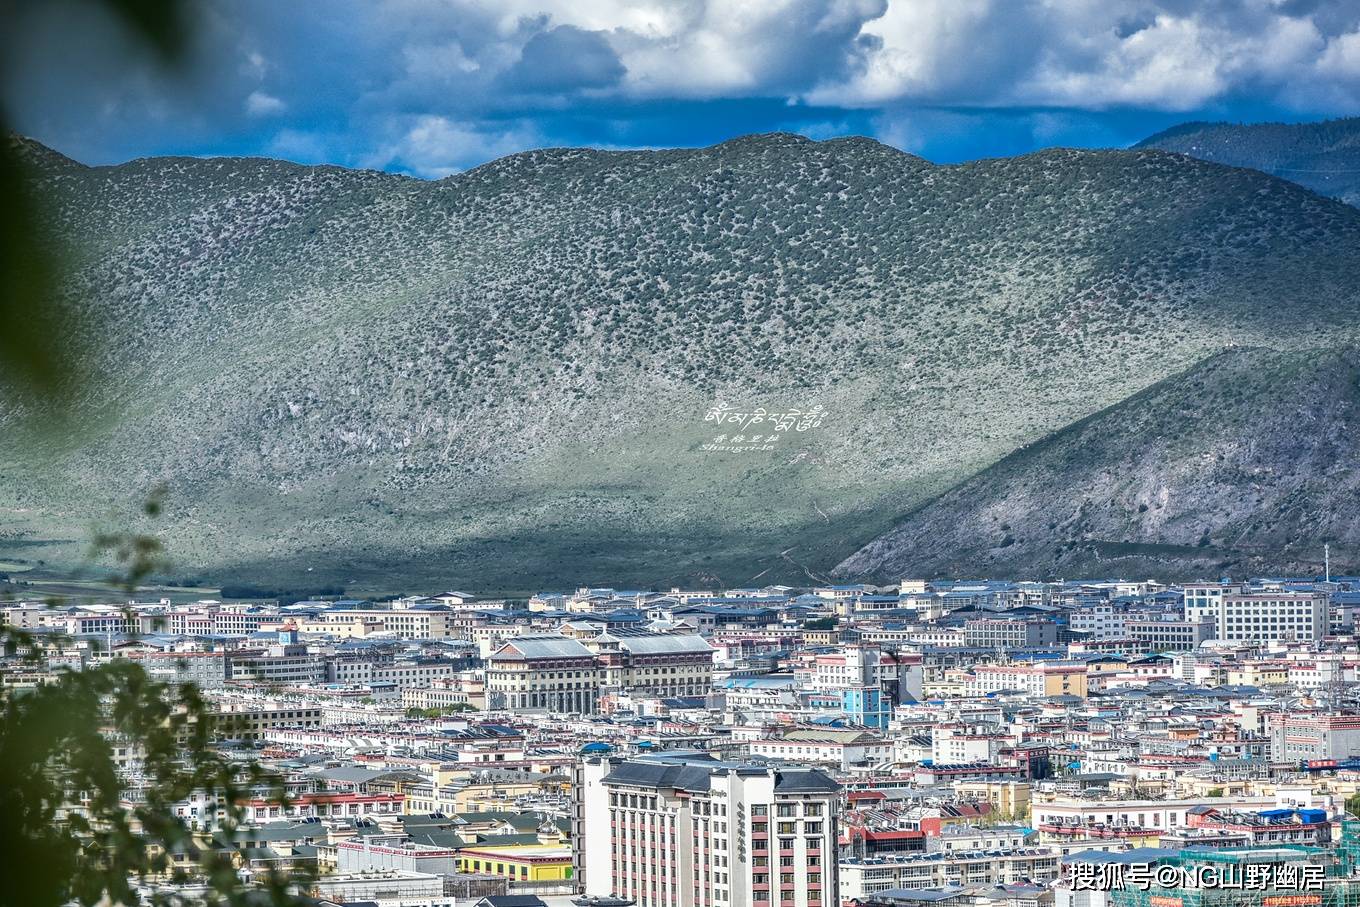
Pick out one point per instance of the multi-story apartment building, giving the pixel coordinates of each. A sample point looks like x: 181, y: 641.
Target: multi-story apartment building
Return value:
x: 1267, y: 616
x: 252, y: 722
x: 956, y: 743
x: 1038, y: 679
x: 653, y: 664
x: 863, y: 877
x: 1296, y: 736
x: 1241, y: 616
x: 1060, y: 817
x: 1204, y: 601
x: 464, y: 688
x: 206, y: 669
x: 683, y: 830
x: 841, y: 748
x: 1099, y: 620
x: 283, y: 664
x: 420, y: 622
x: 1169, y: 635
x: 1009, y: 633
x: 215, y: 620
x: 414, y: 672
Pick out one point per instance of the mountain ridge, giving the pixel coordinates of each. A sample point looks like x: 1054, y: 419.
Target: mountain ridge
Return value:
x: 1111, y: 491
x: 1321, y: 156
x: 501, y: 378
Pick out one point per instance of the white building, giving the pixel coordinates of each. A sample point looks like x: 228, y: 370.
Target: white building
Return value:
x: 683, y: 830
x: 1267, y: 616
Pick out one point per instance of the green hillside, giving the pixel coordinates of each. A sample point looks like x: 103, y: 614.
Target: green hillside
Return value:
x: 500, y: 379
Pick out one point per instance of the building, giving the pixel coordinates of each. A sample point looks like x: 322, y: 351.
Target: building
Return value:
x: 1077, y: 822
x: 393, y: 886
x: 862, y: 877
x: 252, y: 722
x: 1036, y: 679
x: 420, y: 622
x: 1169, y: 635
x: 518, y: 862
x: 1204, y: 601
x: 1313, y: 736
x: 843, y: 749
x: 1009, y: 633
x: 285, y: 663
x: 387, y: 852
x: 686, y: 830
x: 653, y: 665
x: 1265, y: 616
x: 552, y: 672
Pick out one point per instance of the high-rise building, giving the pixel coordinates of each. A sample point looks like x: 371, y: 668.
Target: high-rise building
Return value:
x: 685, y: 830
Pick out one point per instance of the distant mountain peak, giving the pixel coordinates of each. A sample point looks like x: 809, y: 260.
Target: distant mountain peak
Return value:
x: 1322, y: 156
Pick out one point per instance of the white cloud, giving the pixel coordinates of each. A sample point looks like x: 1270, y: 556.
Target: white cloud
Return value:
x: 302, y: 147
x: 1082, y: 54
x: 1341, y: 59
x: 435, y: 147
x: 438, y: 85
x: 260, y: 104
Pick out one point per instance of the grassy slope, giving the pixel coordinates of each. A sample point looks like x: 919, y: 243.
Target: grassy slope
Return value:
x: 499, y: 379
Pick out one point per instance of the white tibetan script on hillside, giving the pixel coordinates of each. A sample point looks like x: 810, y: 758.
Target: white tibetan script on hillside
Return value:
x: 768, y: 424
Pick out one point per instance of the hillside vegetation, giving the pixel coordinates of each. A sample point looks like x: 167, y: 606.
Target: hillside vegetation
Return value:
x: 1246, y: 464
x: 1324, y: 156
x: 500, y: 379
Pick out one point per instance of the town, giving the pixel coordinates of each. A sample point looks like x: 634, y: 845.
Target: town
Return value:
x: 1006, y: 744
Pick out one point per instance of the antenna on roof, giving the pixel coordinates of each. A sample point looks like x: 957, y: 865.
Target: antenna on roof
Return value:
x: 1327, y: 561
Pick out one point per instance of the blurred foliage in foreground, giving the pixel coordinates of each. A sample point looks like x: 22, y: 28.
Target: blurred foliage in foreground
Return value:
x: 78, y: 829
x: 39, y: 354
x: 82, y: 824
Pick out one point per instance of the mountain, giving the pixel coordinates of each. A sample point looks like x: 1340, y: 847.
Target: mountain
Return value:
x: 1246, y: 463
x: 503, y: 379
x: 1324, y: 156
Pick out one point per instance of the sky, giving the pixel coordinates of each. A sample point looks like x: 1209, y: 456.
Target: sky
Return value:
x: 433, y: 87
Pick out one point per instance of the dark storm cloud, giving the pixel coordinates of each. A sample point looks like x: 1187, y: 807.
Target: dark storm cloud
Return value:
x: 563, y: 60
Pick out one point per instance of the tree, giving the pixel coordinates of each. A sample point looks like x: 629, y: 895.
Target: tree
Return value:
x: 81, y: 829
x: 77, y: 828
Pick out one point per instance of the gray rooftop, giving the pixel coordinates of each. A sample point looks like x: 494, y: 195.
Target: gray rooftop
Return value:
x: 664, y: 644
x: 544, y: 647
